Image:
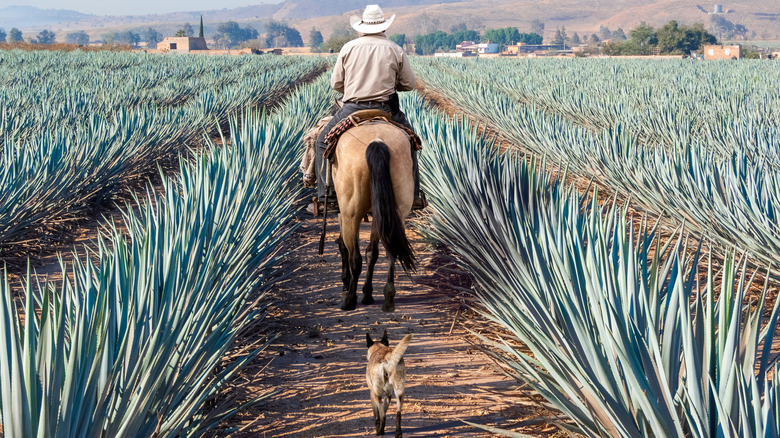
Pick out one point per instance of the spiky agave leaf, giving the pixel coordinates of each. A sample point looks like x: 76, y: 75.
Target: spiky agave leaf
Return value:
x: 140, y: 332
x: 603, y: 309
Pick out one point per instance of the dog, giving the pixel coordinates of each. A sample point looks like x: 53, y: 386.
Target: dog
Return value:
x: 386, y: 373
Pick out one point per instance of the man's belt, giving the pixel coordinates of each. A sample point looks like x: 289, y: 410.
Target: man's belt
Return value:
x: 367, y: 102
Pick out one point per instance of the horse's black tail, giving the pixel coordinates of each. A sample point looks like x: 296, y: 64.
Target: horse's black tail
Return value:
x: 387, y: 222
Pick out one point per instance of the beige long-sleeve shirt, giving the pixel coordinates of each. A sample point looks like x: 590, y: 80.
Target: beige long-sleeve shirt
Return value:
x: 371, y: 68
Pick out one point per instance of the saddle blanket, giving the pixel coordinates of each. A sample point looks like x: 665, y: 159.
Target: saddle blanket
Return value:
x: 364, y: 117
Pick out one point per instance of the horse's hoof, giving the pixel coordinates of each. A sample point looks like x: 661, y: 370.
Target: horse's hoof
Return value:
x: 388, y: 308
x: 350, y: 303
x: 368, y: 299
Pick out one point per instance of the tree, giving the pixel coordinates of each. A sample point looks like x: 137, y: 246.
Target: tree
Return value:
x: 503, y: 37
x: 560, y: 36
x: 644, y: 35
x: 315, y: 38
x: 2, y: 35
x: 152, y: 37
x: 430, y: 43
x: 537, y: 27
x: 619, y: 35
x: 124, y: 37
x: 280, y: 35
x: 44, y: 37
x: 186, y: 30
x: 81, y: 38
x: 462, y: 35
x: 642, y: 39
x: 200, y: 30
x: 594, y: 38
x: 230, y: 34
x: 575, y: 39
x: 675, y: 39
x: 15, y: 36
x: 741, y: 30
x: 722, y: 27
x: 671, y: 38
x: 398, y: 38
x: 336, y: 42
x: 604, y: 33
x: 530, y: 38
x: 340, y: 35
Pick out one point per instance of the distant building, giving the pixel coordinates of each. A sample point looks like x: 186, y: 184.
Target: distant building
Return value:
x: 182, y: 44
x: 512, y: 49
x: 718, y: 9
x: 722, y: 52
x: 466, y: 54
x: 522, y: 48
x: 471, y: 46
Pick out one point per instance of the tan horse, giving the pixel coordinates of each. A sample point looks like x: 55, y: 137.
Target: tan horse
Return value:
x: 372, y: 172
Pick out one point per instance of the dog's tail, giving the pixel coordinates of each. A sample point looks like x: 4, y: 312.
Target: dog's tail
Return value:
x: 399, y: 350
x: 387, y: 222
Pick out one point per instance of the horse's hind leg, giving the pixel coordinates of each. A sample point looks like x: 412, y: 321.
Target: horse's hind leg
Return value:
x: 389, y: 304
x: 349, y: 233
x: 372, y: 254
x: 346, y: 278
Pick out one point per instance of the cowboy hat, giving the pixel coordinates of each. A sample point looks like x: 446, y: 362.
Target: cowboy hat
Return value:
x: 373, y: 20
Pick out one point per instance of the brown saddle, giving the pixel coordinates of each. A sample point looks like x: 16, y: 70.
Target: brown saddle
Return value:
x: 364, y: 117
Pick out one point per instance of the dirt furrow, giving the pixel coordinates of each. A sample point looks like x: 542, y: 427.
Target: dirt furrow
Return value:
x: 317, y: 364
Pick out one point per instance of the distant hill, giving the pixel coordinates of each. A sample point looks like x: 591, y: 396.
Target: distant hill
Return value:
x: 582, y: 16
x: 423, y: 16
x: 28, y: 16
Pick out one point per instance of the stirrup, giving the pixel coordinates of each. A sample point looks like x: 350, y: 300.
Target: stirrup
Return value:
x: 317, y: 207
x: 420, y: 203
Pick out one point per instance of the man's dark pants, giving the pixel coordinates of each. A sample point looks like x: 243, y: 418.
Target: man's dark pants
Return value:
x: 340, y: 115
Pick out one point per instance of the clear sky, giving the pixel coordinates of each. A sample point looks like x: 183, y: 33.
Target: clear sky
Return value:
x: 135, y: 7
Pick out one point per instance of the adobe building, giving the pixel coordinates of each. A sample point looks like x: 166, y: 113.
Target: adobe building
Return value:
x: 512, y: 49
x: 182, y: 44
x: 538, y: 49
x: 722, y: 52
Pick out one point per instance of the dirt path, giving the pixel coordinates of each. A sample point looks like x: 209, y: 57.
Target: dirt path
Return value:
x: 318, y: 362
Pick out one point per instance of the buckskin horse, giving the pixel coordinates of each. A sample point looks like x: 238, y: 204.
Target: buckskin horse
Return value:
x: 372, y: 172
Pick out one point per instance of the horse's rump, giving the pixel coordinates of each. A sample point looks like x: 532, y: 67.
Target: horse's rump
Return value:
x: 388, y: 223
x: 351, y: 176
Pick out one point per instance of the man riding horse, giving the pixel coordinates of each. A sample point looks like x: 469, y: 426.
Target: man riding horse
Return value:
x: 368, y: 72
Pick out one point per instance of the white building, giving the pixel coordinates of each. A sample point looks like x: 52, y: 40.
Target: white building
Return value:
x: 454, y: 54
x: 471, y: 46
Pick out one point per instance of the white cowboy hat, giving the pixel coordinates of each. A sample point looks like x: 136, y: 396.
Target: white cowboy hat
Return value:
x: 373, y: 20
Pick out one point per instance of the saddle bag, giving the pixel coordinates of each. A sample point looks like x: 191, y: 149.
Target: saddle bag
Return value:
x: 309, y: 144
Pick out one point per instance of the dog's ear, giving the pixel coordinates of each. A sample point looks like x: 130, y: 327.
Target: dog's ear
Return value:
x: 369, y: 341
x: 384, y: 339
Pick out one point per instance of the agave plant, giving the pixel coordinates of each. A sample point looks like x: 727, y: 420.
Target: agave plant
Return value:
x: 56, y: 167
x: 626, y: 335
x: 129, y: 345
x: 727, y: 193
